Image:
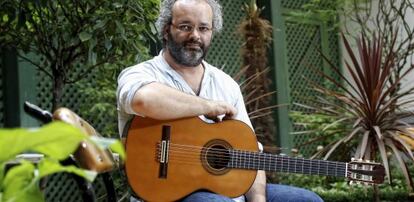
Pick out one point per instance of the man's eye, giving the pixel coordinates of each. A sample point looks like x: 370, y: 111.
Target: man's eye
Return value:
x: 186, y: 28
x: 203, y: 29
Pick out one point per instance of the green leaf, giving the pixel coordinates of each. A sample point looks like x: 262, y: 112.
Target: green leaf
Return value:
x: 5, y: 18
x: 57, y: 140
x: 108, y: 44
x: 84, y: 36
x: 100, y: 24
x: 2, y: 169
x: 120, y: 28
x: 114, y: 144
x: 50, y: 166
x: 21, y: 184
x: 117, y: 5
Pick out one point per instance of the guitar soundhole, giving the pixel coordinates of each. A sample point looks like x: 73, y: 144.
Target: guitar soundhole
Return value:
x: 218, y: 157
x: 215, y: 156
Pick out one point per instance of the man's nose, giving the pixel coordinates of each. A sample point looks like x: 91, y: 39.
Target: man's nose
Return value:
x: 195, y: 34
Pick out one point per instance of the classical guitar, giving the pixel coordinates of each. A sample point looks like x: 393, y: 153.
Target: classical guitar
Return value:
x: 168, y: 160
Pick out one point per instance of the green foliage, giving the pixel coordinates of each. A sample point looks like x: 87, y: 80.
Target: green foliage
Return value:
x: 322, y: 130
x: 101, y: 107
x: 325, y: 11
x: 76, y: 34
x: 319, y: 124
x: 56, y: 141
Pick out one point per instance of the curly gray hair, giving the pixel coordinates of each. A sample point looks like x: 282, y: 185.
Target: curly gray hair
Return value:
x: 165, y: 16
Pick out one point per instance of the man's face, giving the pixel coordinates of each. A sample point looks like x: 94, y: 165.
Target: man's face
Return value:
x: 189, y: 35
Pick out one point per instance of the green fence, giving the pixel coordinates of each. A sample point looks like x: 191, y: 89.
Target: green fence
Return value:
x: 224, y: 52
x: 297, y: 48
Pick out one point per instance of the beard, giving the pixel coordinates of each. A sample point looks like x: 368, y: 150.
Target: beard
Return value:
x: 185, y: 55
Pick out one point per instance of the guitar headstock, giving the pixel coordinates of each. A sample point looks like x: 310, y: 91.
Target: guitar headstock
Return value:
x: 365, y: 172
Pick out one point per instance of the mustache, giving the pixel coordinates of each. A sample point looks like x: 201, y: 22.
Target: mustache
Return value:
x: 192, y: 42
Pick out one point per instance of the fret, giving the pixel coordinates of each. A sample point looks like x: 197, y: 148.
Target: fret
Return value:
x: 244, y: 160
x: 335, y: 172
x: 275, y: 165
x: 235, y: 158
x: 270, y: 160
x: 296, y: 162
x: 238, y: 159
x: 319, y: 167
x: 261, y: 161
x: 303, y: 164
x: 336, y: 168
x: 311, y: 167
x: 253, y: 160
x: 323, y: 168
x: 230, y: 165
x: 287, y: 165
x: 281, y: 163
x: 249, y: 161
x: 256, y: 161
x: 331, y: 170
x: 262, y: 158
x: 328, y: 165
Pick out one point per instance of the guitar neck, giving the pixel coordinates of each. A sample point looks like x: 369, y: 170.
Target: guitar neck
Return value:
x: 279, y: 163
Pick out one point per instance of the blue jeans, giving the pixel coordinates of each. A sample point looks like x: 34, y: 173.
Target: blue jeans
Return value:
x: 274, y: 193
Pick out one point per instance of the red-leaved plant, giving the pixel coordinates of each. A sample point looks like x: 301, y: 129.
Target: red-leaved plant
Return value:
x: 373, y: 106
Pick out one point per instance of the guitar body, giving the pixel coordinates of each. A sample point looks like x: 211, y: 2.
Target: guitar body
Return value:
x: 188, y: 168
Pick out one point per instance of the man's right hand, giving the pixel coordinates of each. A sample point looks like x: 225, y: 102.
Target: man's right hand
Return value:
x: 217, y: 108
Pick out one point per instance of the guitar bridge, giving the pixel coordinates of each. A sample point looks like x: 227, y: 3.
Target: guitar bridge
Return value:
x: 163, y: 154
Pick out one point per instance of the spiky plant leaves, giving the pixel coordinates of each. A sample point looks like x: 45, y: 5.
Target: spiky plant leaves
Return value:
x: 370, y: 106
x: 255, y: 85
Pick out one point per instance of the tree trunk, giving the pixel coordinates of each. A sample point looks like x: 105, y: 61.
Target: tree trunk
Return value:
x: 376, y: 193
x: 57, y: 90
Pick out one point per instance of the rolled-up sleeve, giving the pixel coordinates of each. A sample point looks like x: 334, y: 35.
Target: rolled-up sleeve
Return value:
x: 129, y: 82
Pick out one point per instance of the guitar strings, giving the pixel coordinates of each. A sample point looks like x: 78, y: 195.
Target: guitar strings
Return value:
x: 223, y: 156
x: 224, y: 153
x: 271, y: 166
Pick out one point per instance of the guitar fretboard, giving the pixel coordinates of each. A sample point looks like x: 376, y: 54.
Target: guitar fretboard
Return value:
x: 280, y: 163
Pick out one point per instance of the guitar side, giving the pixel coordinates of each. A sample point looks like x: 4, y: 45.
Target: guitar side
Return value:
x: 187, y: 171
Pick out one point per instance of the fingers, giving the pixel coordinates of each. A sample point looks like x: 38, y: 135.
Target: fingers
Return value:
x: 216, y: 119
x: 218, y: 109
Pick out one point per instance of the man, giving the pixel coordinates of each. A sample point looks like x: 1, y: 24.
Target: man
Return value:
x: 179, y: 83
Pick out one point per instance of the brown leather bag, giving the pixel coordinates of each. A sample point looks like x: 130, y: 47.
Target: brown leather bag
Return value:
x: 88, y: 155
